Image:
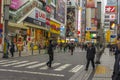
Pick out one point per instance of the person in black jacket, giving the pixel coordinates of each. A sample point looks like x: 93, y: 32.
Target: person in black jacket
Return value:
x: 50, y: 53
x: 91, y: 51
x: 116, y: 70
x: 12, y: 49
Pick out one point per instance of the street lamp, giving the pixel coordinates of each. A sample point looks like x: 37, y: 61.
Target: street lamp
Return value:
x: 6, y: 19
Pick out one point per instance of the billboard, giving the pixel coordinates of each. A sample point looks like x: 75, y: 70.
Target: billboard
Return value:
x: 16, y: 4
x: 90, y: 4
x: 70, y: 21
x: 60, y: 11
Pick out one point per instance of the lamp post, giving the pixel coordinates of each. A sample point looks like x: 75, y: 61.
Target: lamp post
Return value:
x: 6, y: 19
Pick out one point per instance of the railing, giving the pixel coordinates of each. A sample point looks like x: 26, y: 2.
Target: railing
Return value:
x: 24, y: 11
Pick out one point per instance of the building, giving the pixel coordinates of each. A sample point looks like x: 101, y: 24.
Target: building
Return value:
x: 36, y: 21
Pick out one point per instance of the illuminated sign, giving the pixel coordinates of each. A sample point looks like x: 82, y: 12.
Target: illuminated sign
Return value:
x: 110, y: 9
x: 15, y: 4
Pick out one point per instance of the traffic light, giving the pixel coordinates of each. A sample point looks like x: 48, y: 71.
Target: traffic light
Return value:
x: 112, y: 25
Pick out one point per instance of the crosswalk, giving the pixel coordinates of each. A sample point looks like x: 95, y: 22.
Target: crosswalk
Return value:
x: 40, y: 65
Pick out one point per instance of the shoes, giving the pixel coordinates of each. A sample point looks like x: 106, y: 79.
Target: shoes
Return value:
x: 48, y: 65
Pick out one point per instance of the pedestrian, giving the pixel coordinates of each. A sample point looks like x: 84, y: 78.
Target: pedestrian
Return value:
x: 12, y: 49
x: 116, y: 70
x: 72, y: 47
x: 91, y: 51
x: 50, y: 53
x: 117, y: 50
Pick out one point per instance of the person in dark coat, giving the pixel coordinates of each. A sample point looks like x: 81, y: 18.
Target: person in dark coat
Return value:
x: 91, y: 51
x: 50, y: 53
x: 116, y: 71
x: 117, y: 52
x: 72, y: 48
x: 12, y: 49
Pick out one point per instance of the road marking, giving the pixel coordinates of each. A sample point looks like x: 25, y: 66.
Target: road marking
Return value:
x: 28, y: 72
x: 101, y: 70
x: 62, y: 67
x: 53, y: 65
x: 15, y: 63
x: 3, y: 60
x: 8, y: 62
x: 26, y: 64
x: 37, y: 65
x: 76, y: 68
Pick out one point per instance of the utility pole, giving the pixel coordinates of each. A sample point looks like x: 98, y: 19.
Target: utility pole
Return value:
x: 6, y: 20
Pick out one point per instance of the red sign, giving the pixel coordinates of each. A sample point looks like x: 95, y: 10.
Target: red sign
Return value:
x: 110, y: 9
x: 78, y: 32
x: 48, y: 9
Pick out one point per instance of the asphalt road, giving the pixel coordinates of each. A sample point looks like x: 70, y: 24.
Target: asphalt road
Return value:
x: 64, y: 66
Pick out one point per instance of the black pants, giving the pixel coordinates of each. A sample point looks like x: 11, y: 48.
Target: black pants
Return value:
x: 88, y: 62
x: 50, y: 60
x: 12, y: 53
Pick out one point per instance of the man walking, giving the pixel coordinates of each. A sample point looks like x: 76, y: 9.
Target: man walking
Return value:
x: 91, y: 51
x: 50, y: 53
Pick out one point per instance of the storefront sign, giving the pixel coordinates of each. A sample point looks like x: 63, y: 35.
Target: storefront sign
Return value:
x: 38, y: 15
x: 110, y: 9
x: 55, y: 25
x: 36, y: 22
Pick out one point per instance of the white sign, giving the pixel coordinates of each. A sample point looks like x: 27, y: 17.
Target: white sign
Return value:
x: 38, y: 15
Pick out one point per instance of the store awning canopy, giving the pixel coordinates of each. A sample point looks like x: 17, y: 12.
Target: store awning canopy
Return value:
x: 35, y: 26
x: 18, y: 25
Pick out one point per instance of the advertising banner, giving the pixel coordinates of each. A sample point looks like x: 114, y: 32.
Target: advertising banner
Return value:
x: 60, y: 11
x: 90, y: 4
x: 70, y: 21
x: 15, y: 4
x: 110, y: 9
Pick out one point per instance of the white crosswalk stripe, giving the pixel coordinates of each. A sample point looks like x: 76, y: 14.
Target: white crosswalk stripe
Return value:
x: 15, y: 63
x: 41, y: 66
x: 36, y: 65
x: 76, y: 68
x: 26, y: 64
x: 62, y: 67
x: 3, y: 60
x: 8, y: 62
x: 53, y: 65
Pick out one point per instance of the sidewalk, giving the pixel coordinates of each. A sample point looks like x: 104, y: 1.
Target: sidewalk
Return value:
x: 25, y: 53
x: 105, y: 69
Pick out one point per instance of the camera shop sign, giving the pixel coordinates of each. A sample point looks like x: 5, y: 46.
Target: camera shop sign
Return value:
x: 38, y: 14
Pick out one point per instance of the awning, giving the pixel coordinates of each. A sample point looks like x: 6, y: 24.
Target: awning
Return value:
x: 35, y: 26
x: 18, y: 25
